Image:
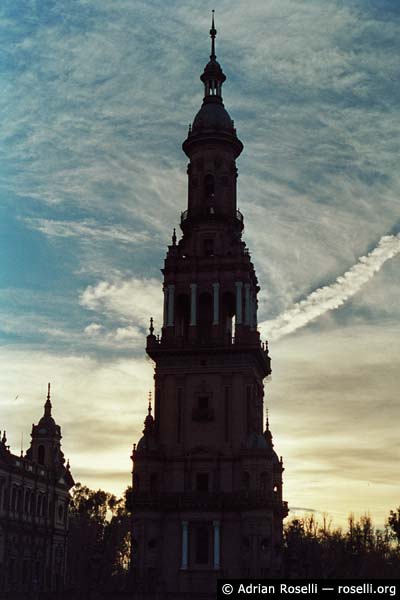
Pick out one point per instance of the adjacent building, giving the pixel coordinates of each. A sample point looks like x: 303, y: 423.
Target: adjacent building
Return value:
x: 34, y: 497
x: 207, y: 482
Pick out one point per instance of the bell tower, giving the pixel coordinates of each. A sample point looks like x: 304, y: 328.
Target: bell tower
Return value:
x: 46, y: 439
x: 207, y: 483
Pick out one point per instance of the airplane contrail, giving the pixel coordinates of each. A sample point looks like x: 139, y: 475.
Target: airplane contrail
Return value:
x: 334, y: 295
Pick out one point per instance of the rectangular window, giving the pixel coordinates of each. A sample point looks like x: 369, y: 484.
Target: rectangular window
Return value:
x: 179, y: 417
x: 203, y: 402
x: 209, y: 247
x: 202, y: 410
x: 202, y: 482
x: 202, y: 545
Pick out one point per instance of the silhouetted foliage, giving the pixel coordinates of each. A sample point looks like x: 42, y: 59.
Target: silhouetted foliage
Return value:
x: 322, y: 551
x: 394, y: 523
x: 99, y: 543
x: 99, y: 546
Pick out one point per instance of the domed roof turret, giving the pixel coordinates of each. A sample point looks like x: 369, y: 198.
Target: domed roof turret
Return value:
x: 213, y: 121
x: 148, y: 441
x: 212, y: 115
x: 47, y: 425
x: 269, y: 443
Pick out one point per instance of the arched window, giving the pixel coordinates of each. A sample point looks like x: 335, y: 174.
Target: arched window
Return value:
x: 32, y: 504
x: 19, y: 499
x: 182, y: 315
x: 228, y: 308
x: 39, y: 505
x: 154, y: 482
x: 264, y: 545
x: 209, y: 187
x: 205, y: 316
x: 44, y: 506
x: 41, y: 454
x: 265, y: 483
x: 26, y: 503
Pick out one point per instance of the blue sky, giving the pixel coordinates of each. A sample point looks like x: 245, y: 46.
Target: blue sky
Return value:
x: 96, y: 100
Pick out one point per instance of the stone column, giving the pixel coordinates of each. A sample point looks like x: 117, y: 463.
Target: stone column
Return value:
x: 193, y: 304
x: 247, y: 308
x: 216, y: 303
x: 239, y: 286
x: 185, y: 544
x: 171, y: 289
x: 217, y: 543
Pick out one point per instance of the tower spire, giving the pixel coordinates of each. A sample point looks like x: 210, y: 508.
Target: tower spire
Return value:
x: 213, y: 33
x: 213, y: 76
x: 149, y: 420
x: 47, y: 406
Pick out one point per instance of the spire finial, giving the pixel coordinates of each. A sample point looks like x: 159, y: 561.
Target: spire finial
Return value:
x: 267, y: 421
x: 213, y: 33
x: 149, y: 421
x: 174, y: 237
x: 47, y: 406
x: 151, y: 328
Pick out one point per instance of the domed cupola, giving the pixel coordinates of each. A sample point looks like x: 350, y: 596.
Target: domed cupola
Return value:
x: 213, y: 121
x: 213, y: 76
x: 269, y: 443
x: 148, y: 442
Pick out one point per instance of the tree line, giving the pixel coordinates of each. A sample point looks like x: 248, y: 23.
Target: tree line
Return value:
x: 100, y: 546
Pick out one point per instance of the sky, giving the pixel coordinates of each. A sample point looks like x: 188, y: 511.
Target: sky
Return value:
x: 96, y: 98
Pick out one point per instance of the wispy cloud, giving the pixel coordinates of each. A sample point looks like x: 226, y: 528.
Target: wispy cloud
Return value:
x: 133, y: 300
x: 91, y: 158
x: 87, y: 229
x: 335, y: 295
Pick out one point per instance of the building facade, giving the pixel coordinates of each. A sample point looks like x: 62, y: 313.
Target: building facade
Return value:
x: 207, y: 483
x: 34, y: 497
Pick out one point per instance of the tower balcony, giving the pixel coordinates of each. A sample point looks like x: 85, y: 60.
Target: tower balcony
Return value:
x: 238, y: 500
x: 192, y: 343
x: 210, y: 213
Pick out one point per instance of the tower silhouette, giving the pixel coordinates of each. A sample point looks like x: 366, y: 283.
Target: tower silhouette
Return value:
x: 207, y: 483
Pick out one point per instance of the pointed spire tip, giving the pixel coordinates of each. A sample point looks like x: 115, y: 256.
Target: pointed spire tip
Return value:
x: 213, y: 33
x: 47, y: 406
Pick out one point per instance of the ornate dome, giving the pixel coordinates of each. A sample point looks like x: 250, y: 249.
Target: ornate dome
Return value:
x: 147, y: 443
x: 212, y: 115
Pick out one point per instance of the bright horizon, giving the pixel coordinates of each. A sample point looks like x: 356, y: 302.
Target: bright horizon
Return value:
x: 93, y: 179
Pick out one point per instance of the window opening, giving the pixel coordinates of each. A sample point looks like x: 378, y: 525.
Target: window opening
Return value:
x: 202, y: 545
x: 202, y: 482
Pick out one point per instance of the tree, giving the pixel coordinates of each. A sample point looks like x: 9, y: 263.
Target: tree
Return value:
x: 362, y: 551
x: 394, y: 523
x: 99, y: 542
